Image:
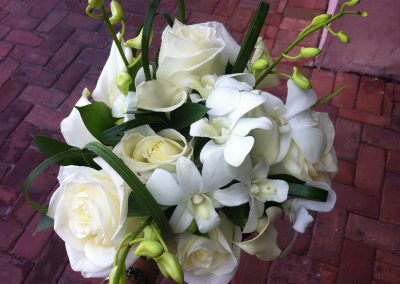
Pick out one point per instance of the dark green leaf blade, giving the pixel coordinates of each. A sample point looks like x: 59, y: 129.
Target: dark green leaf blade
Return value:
x: 72, y: 153
x: 49, y: 146
x: 114, y: 134
x: 137, y: 208
x: 146, y: 36
x: 187, y: 114
x: 167, y: 18
x: 45, y: 223
x: 97, y: 118
x: 135, y: 184
x: 307, y: 192
x: 251, y: 37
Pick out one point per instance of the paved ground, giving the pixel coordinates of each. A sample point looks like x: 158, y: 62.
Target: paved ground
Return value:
x: 49, y: 51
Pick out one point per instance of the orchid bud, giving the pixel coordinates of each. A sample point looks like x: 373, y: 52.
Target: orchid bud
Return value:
x: 364, y: 14
x: 352, y: 3
x: 170, y: 267
x: 117, y: 12
x: 258, y: 66
x: 95, y: 4
x: 300, y: 80
x: 123, y: 81
x: 343, y: 37
x: 307, y: 52
x: 150, y: 249
x: 149, y: 234
x: 135, y: 42
x: 321, y: 19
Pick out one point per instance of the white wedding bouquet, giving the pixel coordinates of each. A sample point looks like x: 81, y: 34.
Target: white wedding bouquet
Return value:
x: 189, y: 160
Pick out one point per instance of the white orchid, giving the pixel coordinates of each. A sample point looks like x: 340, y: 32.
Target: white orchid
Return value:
x: 228, y: 130
x: 293, y: 121
x: 255, y: 188
x: 264, y: 244
x: 106, y: 89
x: 191, y: 192
x: 296, y: 208
x: 72, y: 127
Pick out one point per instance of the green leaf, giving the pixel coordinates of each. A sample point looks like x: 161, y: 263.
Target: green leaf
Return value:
x: 97, y: 118
x: 181, y: 8
x: 49, y: 147
x: 45, y: 222
x: 187, y: 114
x: 251, y: 37
x: 137, y: 208
x: 326, y: 99
x: 167, y: 18
x: 114, y: 134
x: 72, y: 153
x: 146, y: 36
x: 307, y: 192
x: 139, y: 190
x: 287, y: 178
x: 238, y: 214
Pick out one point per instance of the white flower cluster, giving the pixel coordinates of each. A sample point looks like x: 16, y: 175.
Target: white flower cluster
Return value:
x: 253, y: 140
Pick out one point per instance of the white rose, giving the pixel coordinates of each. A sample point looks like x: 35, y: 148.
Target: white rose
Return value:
x: 90, y: 215
x: 198, y: 49
x: 210, y: 260
x: 143, y: 150
x: 72, y: 127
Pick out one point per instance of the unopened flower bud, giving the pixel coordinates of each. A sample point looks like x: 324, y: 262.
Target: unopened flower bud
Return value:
x: 352, y: 3
x: 95, y: 4
x: 321, y: 19
x: 135, y: 42
x: 258, y: 66
x: 123, y: 81
x: 112, y: 276
x: 170, y: 267
x: 343, y: 37
x: 150, y: 249
x: 300, y: 80
x: 117, y: 12
x: 307, y: 52
x: 149, y: 234
x: 364, y: 14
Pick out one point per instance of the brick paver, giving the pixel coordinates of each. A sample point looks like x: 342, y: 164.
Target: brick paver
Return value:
x: 50, y: 51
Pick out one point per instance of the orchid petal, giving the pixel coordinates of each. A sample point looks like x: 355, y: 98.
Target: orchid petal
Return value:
x: 298, y: 99
x: 215, y: 172
x: 188, y: 176
x: 252, y: 220
x: 209, y: 149
x: 180, y: 219
x: 235, y: 195
x: 302, y: 220
x: 311, y: 142
x: 164, y: 188
x: 222, y: 101
x: 245, y: 125
x: 248, y: 101
x: 264, y: 244
x: 237, y: 148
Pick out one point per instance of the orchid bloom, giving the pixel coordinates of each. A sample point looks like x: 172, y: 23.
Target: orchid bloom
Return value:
x: 295, y: 122
x: 228, y: 130
x: 254, y: 188
x: 296, y: 208
x: 191, y: 192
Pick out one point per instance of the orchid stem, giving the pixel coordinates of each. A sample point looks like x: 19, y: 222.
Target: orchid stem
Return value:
x: 308, y: 31
x: 114, y: 35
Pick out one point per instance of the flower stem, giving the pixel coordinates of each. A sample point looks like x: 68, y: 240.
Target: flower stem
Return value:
x: 114, y: 35
x: 129, y: 238
x: 308, y: 31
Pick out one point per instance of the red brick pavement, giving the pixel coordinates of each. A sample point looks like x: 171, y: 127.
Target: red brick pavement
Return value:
x: 50, y: 51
